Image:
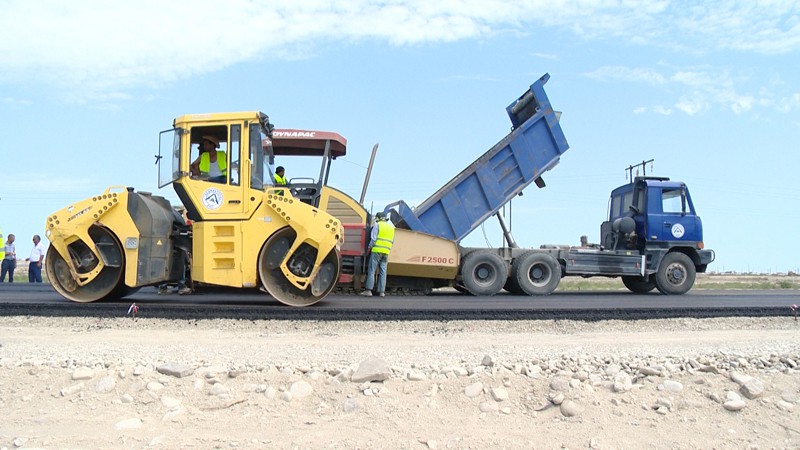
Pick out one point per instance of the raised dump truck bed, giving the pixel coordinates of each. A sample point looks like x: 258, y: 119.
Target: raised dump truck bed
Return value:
x: 533, y: 147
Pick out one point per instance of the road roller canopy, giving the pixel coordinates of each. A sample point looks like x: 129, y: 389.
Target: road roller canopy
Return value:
x: 199, y: 119
x: 307, y: 148
x: 291, y: 142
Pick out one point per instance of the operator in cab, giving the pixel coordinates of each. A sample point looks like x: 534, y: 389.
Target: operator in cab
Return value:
x: 212, y: 163
x: 280, y: 179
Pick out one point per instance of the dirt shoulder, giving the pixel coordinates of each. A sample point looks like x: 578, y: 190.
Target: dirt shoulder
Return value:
x: 679, y: 383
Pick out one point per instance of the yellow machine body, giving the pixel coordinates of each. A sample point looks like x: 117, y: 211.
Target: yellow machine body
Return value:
x: 421, y: 255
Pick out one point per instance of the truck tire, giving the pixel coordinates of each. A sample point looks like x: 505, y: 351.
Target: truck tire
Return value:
x: 483, y: 273
x: 536, y: 273
x: 675, y: 275
x: 637, y: 285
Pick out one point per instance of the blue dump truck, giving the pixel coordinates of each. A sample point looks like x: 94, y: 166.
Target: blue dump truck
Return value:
x: 652, y: 238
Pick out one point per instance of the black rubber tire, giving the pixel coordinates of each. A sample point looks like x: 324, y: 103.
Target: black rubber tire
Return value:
x: 536, y: 273
x: 483, y: 273
x: 639, y: 286
x: 675, y: 275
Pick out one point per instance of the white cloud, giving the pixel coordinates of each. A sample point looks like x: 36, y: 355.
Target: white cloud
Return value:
x: 790, y: 103
x: 720, y: 88
x: 658, y: 109
x: 692, y: 78
x: 621, y: 73
x: 102, y: 46
x: 691, y: 106
x: 14, y: 101
x: 739, y: 103
x: 766, y: 27
x: 701, y: 88
x: 547, y: 56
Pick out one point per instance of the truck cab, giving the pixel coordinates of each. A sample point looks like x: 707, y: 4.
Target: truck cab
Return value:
x: 657, y: 217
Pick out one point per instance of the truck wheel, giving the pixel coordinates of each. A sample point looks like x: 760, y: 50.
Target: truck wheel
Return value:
x: 483, y: 273
x: 536, y: 273
x: 637, y: 285
x: 675, y: 274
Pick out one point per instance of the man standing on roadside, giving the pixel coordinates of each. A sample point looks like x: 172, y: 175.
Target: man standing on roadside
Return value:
x: 380, y: 244
x: 9, y: 260
x: 36, y: 259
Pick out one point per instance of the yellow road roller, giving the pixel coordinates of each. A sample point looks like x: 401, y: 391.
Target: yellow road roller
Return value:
x: 238, y: 229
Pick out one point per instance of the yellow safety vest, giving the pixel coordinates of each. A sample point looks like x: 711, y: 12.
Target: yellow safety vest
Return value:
x: 383, y: 244
x: 205, y: 162
x: 2, y: 246
x: 280, y: 181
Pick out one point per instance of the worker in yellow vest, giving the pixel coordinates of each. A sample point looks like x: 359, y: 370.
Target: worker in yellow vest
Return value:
x: 2, y: 250
x: 380, y: 244
x: 212, y: 163
x: 280, y: 179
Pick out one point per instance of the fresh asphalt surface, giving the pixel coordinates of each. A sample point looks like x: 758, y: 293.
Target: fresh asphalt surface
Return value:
x: 41, y: 300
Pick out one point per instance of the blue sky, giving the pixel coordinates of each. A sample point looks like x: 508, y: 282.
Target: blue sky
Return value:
x: 709, y: 90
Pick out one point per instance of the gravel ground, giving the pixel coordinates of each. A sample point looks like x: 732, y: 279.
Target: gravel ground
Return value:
x: 150, y: 383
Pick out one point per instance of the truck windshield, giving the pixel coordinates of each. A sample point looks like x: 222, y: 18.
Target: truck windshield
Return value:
x: 627, y: 201
x: 620, y: 204
x: 613, y: 207
x: 672, y: 201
